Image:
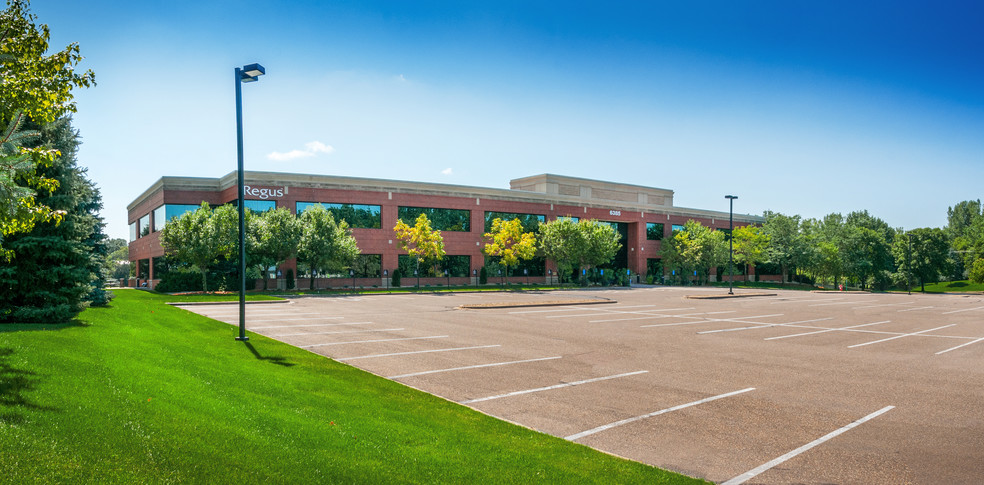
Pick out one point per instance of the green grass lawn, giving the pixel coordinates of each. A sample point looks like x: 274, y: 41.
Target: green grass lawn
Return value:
x: 951, y: 287
x: 143, y: 392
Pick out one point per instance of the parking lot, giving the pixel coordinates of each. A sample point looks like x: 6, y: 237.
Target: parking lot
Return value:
x: 798, y: 387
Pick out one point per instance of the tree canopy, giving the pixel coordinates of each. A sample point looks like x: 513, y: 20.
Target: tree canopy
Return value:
x: 508, y: 241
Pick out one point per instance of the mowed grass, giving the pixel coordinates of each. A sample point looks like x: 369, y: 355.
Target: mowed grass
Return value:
x: 951, y: 287
x: 142, y: 392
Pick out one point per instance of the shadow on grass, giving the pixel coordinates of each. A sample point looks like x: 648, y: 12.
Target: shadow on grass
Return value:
x: 276, y: 359
x: 14, y: 385
x: 38, y: 327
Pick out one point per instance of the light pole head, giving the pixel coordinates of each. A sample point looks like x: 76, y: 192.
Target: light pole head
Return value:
x: 732, y: 197
x: 251, y: 73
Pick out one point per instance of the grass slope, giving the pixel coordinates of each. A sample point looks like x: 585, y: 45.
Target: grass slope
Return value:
x: 951, y: 287
x: 143, y: 392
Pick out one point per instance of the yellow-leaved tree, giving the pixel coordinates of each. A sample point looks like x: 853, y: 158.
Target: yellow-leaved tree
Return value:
x: 420, y: 241
x: 508, y: 242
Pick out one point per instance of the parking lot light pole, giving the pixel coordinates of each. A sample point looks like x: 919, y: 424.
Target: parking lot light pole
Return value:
x: 731, y: 242
x: 246, y: 74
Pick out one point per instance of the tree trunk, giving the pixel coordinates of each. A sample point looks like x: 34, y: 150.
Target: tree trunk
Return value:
x: 266, y: 274
x: 311, y: 286
x: 204, y: 284
x: 785, y: 273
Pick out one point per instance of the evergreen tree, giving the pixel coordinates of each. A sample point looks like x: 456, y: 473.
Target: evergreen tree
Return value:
x: 57, y: 267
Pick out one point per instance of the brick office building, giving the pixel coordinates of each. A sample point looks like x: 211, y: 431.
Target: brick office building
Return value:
x: 642, y: 215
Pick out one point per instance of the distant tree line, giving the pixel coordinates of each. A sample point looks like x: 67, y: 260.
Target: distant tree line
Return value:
x: 859, y: 249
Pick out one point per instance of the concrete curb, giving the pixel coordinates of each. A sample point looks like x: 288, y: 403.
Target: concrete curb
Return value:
x: 726, y: 296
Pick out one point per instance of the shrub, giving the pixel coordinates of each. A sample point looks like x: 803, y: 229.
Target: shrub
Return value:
x: 396, y: 278
x: 977, y: 271
x: 483, y: 276
x: 290, y: 279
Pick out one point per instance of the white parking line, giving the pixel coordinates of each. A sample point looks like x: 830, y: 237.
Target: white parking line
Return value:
x: 554, y: 310
x: 470, y: 367
x: 961, y: 345
x: 605, y: 311
x: 886, y: 304
x: 899, y: 336
x: 557, y: 386
x: 599, y: 429
x: 311, y: 325
x: 763, y: 325
x: 417, y: 352
x: 658, y: 315
x: 916, y: 308
x: 826, y: 330
x: 336, y: 333
x: 964, y: 310
x: 744, y: 477
x: 843, y: 303
x: 805, y: 299
x: 372, y: 341
x: 308, y: 319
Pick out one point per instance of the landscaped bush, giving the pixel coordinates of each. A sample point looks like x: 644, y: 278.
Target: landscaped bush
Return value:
x: 396, y: 278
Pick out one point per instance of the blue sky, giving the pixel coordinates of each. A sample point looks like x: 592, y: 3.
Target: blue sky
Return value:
x: 798, y: 107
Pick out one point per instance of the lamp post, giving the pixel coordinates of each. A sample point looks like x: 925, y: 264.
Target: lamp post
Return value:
x: 731, y: 242
x: 246, y: 74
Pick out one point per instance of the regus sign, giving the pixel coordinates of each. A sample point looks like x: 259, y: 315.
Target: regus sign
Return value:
x: 264, y: 193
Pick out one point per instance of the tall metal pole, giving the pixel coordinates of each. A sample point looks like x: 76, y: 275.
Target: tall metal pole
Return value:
x: 731, y: 243
x: 242, y: 209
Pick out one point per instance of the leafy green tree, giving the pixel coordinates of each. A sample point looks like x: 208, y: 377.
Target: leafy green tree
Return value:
x: 195, y: 239
x: 57, y: 270
x: 923, y: 253
x: 697, y: 247
x: 965, y: 227
x: 866, y: 253
x: 37, y: 88
x: 787, y: 247
x: 117, y: 260
x: 824, y: 241
x: 326, y: 245
x: 20, y: 181
x: 421, y: 242
x: 277, y: 235
x: 508, y: 242
x: 750, y: 244
x: 578, y: 245
x: 977, y: 271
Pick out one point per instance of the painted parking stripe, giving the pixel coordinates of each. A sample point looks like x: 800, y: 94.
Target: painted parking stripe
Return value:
x: 744, y: 477
x: 599, y: 429
x: 311, y: 325
x: 308, y: 319
x: 899, y: 336
x: 964, y: 310
x: 336, y: 333
x: 479, y: 366
x: 554, y: 310
x: 844, y: 303
x: 826, y: 330
x: 606, y: 311
x: 571, y: 308
x: 916, y: 308
x: 886, y: 304
x: 659, y: 315
x: 758, y: 325
x: 417, y: 352
x: 556, y: 386
x: 805, y: 299
x: 372, y: 341
x: 961, y: 345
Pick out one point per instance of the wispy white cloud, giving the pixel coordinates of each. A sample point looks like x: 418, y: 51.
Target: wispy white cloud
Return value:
x: 310, y: 149
x: 446, y: 171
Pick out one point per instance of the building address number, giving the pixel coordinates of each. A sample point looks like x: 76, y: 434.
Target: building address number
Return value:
x: 614, y: 213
